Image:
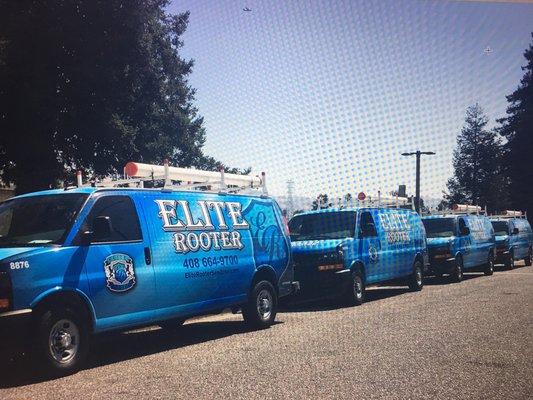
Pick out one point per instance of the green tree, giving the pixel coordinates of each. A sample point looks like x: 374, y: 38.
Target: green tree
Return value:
x: 517, y: 128
x: 478, y: 177
x: 321, y: 202
x: 92, y: 84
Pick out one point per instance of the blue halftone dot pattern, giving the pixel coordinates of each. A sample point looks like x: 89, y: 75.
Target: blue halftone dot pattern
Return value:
x: 330, y: 93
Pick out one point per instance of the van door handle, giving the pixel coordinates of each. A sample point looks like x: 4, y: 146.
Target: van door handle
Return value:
x: 147, y: 256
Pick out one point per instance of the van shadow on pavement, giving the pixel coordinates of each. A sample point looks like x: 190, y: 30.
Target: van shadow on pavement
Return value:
x: 334, y: 302
x: 446, y: 280
x: 112, y: 348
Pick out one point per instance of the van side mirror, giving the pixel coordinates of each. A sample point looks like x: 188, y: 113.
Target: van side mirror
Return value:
x: 515, y: 231
x: 465, y: 231
x: 368, y: 230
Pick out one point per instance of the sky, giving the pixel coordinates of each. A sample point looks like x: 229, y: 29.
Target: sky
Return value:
x: 330, y: 93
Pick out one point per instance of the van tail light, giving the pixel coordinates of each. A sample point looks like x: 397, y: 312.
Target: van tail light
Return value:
x: 5, y: 292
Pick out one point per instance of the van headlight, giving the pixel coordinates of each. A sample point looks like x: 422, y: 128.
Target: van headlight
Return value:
x: 340, y: 252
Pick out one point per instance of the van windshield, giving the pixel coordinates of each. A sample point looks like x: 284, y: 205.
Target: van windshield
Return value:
x: 439, y: 227
x: 328, y: 225
x: 38, y: 220
x: 500, y: 228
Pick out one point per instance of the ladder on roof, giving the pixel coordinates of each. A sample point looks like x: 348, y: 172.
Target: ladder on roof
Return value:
x: 378, y: 201
x: 135, y: 174
x: 463, y: 209
x: 510, y: 214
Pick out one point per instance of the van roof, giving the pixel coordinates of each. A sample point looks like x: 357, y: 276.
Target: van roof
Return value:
x: 437, y: 216
x: 86, y: 190
x: 90, y: 190
x: 327, y: 210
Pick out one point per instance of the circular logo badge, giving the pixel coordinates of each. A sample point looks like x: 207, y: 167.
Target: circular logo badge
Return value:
x: 119, y: 272
x: 372, y: 254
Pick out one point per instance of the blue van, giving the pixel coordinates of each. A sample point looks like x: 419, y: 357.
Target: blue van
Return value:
x: 514, y: 240
x: 87, y: 260
x: 457, y: 242
x: 345, y: 250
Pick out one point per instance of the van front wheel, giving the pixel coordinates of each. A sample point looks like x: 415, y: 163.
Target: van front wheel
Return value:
x: 416, y: 280
x: 528, y: 258
x: 261, y: 308
x: 509, y: 263
x: 489, y: 266
x: 457, y: 273
x: 355, y: 294
x: 172, y: 324
x: 62, y: 341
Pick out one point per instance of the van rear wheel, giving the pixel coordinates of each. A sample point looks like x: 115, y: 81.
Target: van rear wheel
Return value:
x: 416, y: 280
x: 261, y: 308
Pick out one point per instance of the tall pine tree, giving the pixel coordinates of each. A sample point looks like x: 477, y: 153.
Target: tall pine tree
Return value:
x: 478, y: 177
x: 517, y: 128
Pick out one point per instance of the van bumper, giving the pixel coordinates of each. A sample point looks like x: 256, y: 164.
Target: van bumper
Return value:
x: 440, y: 267
x: 14, y: 328
x: 502, y: 256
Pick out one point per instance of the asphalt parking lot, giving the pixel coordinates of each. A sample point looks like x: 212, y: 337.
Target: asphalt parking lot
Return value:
x: 466, y: 340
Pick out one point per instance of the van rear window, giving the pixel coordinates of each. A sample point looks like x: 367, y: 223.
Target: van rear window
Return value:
x: 328, y: 225
x: 439, y: 227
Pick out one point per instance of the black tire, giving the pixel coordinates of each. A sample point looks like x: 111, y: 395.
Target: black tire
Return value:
x: 527, y: 260
x: 489, y: 266
x: 509, y: 262
x: 62, y: 340
x: 416, y: 280
x: 355, y: 293
x: 260, y: 310
x: 457, y: 273
x: 172, y: 324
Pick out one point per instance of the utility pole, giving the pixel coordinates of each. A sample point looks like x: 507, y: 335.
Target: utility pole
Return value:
x: 290, y: 201
x: 418, y: 153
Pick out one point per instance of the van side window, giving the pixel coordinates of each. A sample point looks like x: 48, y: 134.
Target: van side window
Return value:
x: 123, y: 216
x: 368, y: 228
x: 462, y: 225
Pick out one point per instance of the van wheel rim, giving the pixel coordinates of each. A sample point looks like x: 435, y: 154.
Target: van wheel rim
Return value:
x: 358, y: 287
x: 64, y: 341
x: 418, y: 277
x: 264, y: 304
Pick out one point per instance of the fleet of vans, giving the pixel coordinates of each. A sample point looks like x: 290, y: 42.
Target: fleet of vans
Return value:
x: 459, y: 242
x: 115, y: 255
x: 514, y: 239
x: 345, y: 250
x: 87, y: 260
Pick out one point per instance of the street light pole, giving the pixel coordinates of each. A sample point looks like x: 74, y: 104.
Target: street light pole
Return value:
x: 418, y: 153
